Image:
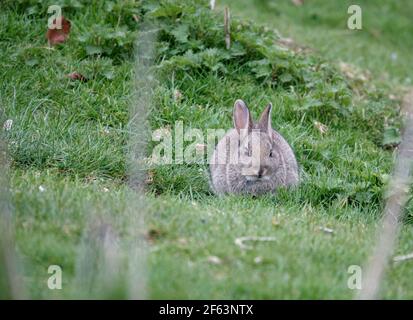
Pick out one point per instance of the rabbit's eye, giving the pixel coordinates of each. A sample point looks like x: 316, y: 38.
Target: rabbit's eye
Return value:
x: 271, y: 154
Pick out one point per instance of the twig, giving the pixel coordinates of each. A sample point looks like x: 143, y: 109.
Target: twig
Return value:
x: 212, y: 4
x: 397, y: 198
x: 227, y: 22
x: 112, y: 256
x: 240, y: 241
x: 11, y: 286
x: 403, y: 258
x: 326, y: 230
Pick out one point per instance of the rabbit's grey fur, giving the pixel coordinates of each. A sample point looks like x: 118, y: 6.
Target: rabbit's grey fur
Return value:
x: 238, y: 166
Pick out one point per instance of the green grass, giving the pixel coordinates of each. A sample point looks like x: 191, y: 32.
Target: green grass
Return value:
x: 322, y: 26
x: 70, y: 138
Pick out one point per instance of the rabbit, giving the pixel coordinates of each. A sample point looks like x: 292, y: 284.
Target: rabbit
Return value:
x: 252, y: 158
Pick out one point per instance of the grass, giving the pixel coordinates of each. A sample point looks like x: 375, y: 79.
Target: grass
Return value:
x: 322, y: 26
x: 70, y: 138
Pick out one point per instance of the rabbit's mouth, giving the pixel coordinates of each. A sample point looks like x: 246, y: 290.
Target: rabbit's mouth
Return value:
x: 255, y: 179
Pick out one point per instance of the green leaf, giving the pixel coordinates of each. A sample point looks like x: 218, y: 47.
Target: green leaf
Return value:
x: 109, y: 74
x: 195, y: 59
x: 211, y: 58
x: 109, y: 5
x: 181, y: 33
x: 83, y: 38
x: 185, y: 62
x: 286, y: 77
x: 391, y: 136
x: 32, y: 62
x: 261, y: 68
x: 167, y: 10
x: 237, y: 50
x: 32, y: 10
x: 92, y: 50
x: 311, y: 103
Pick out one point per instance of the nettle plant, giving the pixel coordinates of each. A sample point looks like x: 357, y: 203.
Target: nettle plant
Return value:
x: 191, y: 41
x: 191, y: 45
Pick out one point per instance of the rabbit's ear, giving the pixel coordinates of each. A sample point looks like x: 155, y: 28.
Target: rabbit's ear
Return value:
x: 242, y: 117
x: 265, y: 119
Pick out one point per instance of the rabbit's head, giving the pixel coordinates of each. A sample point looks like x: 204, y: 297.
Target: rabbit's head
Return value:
x: 258, y: 154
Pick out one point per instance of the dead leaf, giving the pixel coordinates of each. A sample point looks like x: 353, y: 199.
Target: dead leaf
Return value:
x: 321, y: 127
x: 178, y: 95
x: 183, y: 241
x: 77, y: 76
x: 153, y: 234
x: 136, y: 18
x: 353, y: 72
x: 275, y: 221
x: 240, y: 241
x: 219, y: 275
x: 257, y: 260
x: 375, y: 33
x: 55, y: 36
x: 149, y: 177
x: 290, y: 44
x: 214, y: 260
x: 8, y: 124
x: 326, y: 230
x: 297, y: 2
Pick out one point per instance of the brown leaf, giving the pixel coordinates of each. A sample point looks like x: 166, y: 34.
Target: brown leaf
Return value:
x: 149, y: 177
x: 354, y: 73
x: 275, y: 221
x: 77, y: 76
x: 182, y: 241
x: 290, y: 44
x: 297, y: 2
x: 154, y: 234
x: 136, y: 18
x: 55, y: 35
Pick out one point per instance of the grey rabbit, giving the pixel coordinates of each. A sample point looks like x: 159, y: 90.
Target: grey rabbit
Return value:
x: 252, y: 158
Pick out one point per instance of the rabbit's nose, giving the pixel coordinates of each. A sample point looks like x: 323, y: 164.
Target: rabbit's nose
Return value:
x: 263, y: 171
x: 251, y: 172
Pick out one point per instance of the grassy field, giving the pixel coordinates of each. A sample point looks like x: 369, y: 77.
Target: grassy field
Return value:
x: 68, y: 142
